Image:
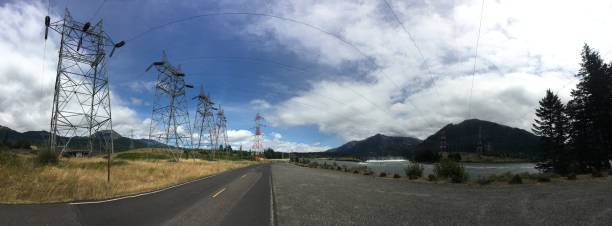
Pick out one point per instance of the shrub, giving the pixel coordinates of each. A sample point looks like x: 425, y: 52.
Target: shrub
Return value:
x: 395, y: 175
x: 571, y: 176
x: 45, y: 157
x: 355, y: 171
x: 484, y: 181
x: 543, y: 178
x: 516, y: 179
x: 432, y: 177
x: 313, y: 165
x: 368, y: 172
x: 452, y: 170
x: 596, y: 173
x: 338, y: 168
x: 414, y: 171
x: 382, y: 174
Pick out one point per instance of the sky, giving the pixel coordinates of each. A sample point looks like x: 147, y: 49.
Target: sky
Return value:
x: 321, y: 72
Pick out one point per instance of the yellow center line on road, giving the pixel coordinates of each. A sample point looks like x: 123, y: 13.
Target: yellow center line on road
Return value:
x: 219, y: 192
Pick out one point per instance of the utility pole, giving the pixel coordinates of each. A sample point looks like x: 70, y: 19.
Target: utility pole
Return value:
x: 81, y: 101
x: 170, y: 119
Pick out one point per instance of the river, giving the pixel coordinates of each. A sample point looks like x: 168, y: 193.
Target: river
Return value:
x: 475, y: 170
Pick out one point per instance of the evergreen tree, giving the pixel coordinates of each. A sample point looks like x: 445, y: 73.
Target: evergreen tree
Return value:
x: 590, y: 111
x: 551, y: 125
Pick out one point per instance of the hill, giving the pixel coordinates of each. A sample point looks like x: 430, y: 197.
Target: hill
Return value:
x: 377, y: 146
x: 494, y: 138
x: 12, y: 139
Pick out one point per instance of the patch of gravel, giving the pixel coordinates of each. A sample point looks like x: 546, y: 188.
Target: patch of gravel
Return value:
x: 306, y: 196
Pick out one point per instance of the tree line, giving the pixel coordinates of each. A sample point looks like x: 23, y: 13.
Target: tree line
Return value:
x: 576, y: 136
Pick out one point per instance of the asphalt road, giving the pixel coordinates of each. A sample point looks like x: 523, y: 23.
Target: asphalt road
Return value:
x: 306, y: 196
x: 237, y: 197
x: 284, y: 194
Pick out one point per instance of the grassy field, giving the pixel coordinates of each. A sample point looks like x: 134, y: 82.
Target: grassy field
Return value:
x: 24, y: 181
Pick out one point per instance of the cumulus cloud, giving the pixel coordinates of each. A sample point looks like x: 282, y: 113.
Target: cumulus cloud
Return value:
x: 524, y: 49
x: 259, y: 104
x: 244, y: 139
x: 27, y: 73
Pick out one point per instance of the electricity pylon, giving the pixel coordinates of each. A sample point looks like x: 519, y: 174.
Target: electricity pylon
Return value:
x: 170, y: 118
x: 81, y: 102
x: 222, y: 128
x: 258, y: 137
x: 204, y: 120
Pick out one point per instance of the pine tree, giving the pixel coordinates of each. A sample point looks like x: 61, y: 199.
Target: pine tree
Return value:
x: 551, y: 125
x: 590, y: 111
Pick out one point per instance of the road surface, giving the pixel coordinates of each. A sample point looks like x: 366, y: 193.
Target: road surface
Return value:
x: 237, y: 197
x: 284, y: 194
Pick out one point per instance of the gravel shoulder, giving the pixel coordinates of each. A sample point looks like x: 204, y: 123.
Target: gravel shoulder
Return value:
x: 306, y: 196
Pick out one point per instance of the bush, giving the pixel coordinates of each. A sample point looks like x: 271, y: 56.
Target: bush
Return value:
x: 368, y: 172
x: 431, y: 177
x: 484, y: 181
x: 414, y: 171
x: 543, y: 178
x: 596, y: 173
x: 505, y: 177
x: 382, y: 174
x: 395, y: 175
x: 452, y: 170
x: 338, y: 168
x: 46, y: 157
x: 516, y: 179
x: 355, y: 171
x: 571, y: 176
x: 313, y: 165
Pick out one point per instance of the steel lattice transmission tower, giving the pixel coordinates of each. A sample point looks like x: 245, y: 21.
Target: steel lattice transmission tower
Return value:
x: 222, y: 128
x: 81, y: 102
x: 205, y: 120
x: 258, y: 137
x: 170, y: 118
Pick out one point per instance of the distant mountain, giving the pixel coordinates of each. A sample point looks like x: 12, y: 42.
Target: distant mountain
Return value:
x: 14, y: 139
x: 377, y: 146
x: 494, y: 138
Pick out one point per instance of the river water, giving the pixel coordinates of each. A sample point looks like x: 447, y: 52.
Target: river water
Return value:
x: 475, y: 170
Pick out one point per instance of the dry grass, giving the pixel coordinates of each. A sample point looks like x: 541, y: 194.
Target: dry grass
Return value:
x: 85, y: 178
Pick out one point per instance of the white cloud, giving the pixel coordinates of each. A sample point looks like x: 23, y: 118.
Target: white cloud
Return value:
x: 525, y: 48
x: 259, y: 104
x: 245, y: 138
x: 27, y: 74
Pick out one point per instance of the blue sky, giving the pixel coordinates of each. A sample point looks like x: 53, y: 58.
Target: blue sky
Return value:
x: 338, y: 71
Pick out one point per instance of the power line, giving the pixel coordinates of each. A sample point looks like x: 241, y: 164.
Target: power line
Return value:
x: 369, y: 59
x: 418, y: 51
x: 413, y: 43
x: 97, y: 10
x: 475, y: 59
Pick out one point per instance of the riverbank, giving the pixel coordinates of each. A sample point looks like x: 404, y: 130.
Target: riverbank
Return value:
x: 477, y: 173
x: 305, y: 196
x: 23, y: 181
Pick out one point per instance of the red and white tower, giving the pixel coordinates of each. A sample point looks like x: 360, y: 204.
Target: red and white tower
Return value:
x: 258, y: 139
